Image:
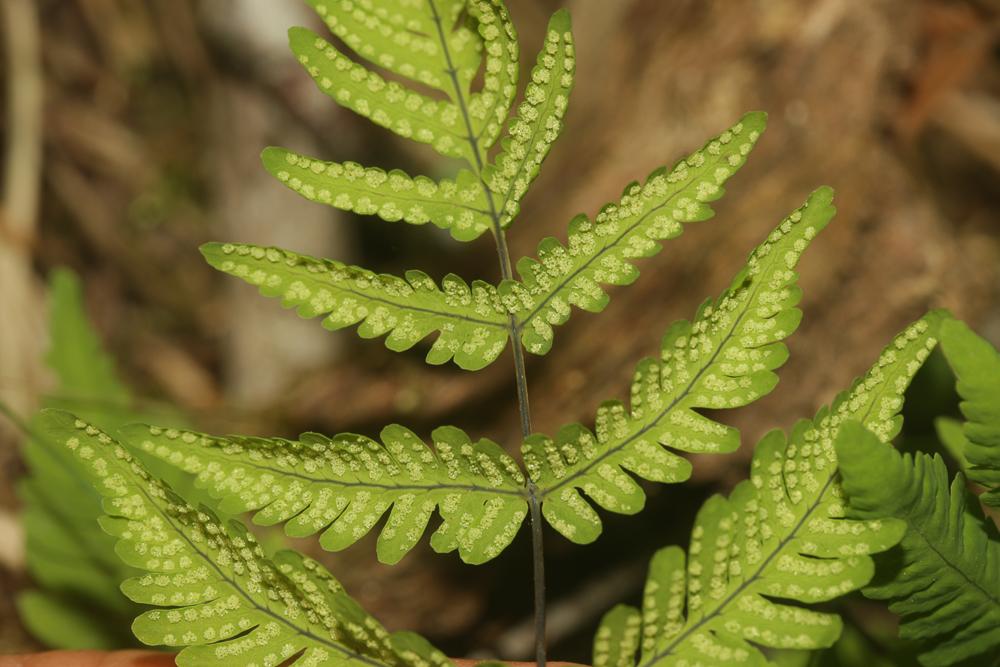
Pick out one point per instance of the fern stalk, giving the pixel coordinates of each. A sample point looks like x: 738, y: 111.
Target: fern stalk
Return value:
x: 520, y: 375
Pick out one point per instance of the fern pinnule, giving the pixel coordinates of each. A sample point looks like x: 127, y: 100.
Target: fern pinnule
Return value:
x: 538, y: 121
x: 456, y: 204
x: 780, y: 536
x: 725, y: 358
x: 945, y: 581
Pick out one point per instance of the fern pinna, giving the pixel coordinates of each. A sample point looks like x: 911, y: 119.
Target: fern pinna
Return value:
x: 444, y: 73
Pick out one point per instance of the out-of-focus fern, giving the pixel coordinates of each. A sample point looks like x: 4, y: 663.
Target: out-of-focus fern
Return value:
x: 76, y: 603
x: 977, y: 366
x: 945, y: 582
x: 779, y: 537
x: 218, y: 596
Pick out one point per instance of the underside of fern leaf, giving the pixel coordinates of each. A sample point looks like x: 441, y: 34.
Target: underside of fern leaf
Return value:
x: 977, y: 366
x: 603, y: 251
x: 945, y: 583
x: 341, y: 486
x: 471, y: 321
x: 778, y: 542
x: 217, y: 595
x: 423, y: 41
x: 724, y: 358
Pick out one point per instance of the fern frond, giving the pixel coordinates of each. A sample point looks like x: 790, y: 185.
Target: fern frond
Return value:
x: 457, y: 205
x: 219, y: 596
x: 471, y: 320
x: 946, y: 587
x: 724, y: 359
x: 342, y: 486
x: 538, y: 121
x: 603, y: 251
x: 977, y: 366
x: 780, y: 539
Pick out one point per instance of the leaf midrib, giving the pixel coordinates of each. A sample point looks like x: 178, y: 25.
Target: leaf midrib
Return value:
x: 519, y: 491
x: 916, y: 525
x: 539, y: 129
x: 329, y: 283
x: 263, y: 609
x: 755, y: 283
x: 552, y: 293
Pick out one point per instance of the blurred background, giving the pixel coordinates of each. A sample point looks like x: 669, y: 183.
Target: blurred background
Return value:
x: 132, y: 131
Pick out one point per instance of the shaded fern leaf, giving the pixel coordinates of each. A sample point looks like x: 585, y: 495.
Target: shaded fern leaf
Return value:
x: 76, y: 604
x: 471, y: 320
x: 977, y: 367
x: 603, y: 251
x: 951, y: 435
x: 220, y: 597
x: 457, y: 205
x: 725, y: 358
x: 946, y: 585
x: 538, y: 121
x: 342, y: 486
x: 781, y: 539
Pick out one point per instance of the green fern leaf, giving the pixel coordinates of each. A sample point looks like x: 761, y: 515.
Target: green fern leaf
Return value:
x: 538, y: 122
x: 487, y: 109
x: 458, y: 205
x: 415, y: 40
x: 76, y: 604
x: 603, y: 251
x: 977, y: 366
x: 399, y: 37
x: 779, y: 537
x: 403, y: 110
x: 946, y: 587
x: 218, y: 595
x: 342, y: 486
x: 951, y: 435
x: 724, y: 359
x: 472, y: 321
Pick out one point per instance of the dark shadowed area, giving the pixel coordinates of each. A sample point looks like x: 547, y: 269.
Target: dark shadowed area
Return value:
x: 132, y: 133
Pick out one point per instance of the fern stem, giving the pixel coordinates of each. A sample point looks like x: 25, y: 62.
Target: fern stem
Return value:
x: 514, y: 328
